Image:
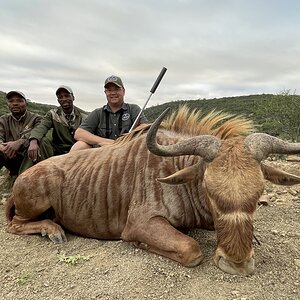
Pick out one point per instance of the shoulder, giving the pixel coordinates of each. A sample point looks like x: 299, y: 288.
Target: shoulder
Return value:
x: 33, y: 115
x: 4, y: 120
x: 79, y: 111
x: 55, y: 111
x: 51, y: 114
x: 132, y: 106
x: 96, y: 112
x: 5, y: 117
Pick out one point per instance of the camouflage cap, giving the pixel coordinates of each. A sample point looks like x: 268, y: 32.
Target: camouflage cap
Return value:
x: 64, y: 87
x: 115, y: 80
x: 11, y: 93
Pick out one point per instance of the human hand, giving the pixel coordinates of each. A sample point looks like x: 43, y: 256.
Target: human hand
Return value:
x: 33, y: 150
x: 2, y: 147
x: 10, y: 149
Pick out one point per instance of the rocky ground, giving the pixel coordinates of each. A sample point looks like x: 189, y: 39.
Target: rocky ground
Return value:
x: 32, y: 267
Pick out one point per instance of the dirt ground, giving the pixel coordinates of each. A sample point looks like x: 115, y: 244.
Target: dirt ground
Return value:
x: 32, y: 267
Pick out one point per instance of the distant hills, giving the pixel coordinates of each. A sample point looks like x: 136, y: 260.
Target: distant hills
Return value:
x: 32, y: 106
x: 278, y: 115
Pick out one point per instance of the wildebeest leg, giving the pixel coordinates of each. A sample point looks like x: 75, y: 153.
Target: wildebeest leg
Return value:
x: 29, y: 206
x: 20, y: 225
x: 160, y: 237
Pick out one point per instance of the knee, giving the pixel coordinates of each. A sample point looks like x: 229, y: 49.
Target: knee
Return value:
x: 191, y: 254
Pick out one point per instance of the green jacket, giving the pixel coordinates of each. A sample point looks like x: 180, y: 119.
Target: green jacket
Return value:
x: 62, y: 130
x: 12, y: 129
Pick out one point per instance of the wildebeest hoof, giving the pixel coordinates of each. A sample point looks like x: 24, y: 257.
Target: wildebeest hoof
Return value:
x: 58, y: 238
x: 197, y: 261
x: 141, y: 245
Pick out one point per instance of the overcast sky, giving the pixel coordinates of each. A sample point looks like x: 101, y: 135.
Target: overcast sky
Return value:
x: 210, y: 48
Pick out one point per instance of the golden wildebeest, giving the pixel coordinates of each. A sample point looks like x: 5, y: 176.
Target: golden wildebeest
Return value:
x: 197, y: 173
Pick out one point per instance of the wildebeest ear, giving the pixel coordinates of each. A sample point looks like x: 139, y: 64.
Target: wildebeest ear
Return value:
x: 183, y: 176
x: 279, y: 177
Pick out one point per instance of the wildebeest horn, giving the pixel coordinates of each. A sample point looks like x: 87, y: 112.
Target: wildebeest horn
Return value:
x: 206, y: 146
x: 262, y: 144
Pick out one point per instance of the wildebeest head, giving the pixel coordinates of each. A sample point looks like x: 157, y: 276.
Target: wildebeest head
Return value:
x: 233, y: 182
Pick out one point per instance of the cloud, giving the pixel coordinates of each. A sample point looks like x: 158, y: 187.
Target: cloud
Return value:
x: 211, y: 48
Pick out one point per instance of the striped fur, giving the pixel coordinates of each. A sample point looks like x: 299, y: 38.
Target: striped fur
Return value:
x: 112, y: 192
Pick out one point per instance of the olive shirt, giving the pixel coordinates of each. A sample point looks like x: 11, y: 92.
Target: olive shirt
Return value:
x: 12, y: 129
x: 63, y: 127
x: 107, y: 124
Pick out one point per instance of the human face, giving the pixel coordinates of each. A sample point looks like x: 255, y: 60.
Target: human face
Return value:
x: 65, y: 100
x: 114, y: 95
x: 17, y: 105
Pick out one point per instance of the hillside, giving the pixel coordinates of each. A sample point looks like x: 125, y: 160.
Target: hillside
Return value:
x: 32, y: 106
x: 278, y: 115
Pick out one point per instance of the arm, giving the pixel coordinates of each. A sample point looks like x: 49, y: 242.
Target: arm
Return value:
x: 2, y: 130
x: 34, y: 122
x: 90, y: 138
x: 143, y: 119
x: 135, y: 110
x: 33, y: 149
x: 9, y: 148
x: 37, y: 133
x: 25, y: 134
x: 88, y: 128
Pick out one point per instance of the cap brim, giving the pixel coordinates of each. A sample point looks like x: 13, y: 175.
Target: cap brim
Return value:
x: 63, y: 87
x: 119, y: 85
x: 9, y: 94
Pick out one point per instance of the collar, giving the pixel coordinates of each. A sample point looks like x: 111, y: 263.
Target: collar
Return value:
x: 107, y: 107
x: 72, y: 114
x: 21, y: 118
x: 60, y: 111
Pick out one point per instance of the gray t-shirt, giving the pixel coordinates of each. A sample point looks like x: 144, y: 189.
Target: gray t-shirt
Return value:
x: 105, y: 123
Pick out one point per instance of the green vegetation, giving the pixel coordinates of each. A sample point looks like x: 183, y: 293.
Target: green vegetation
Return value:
x: 278, y: 115
x: 23, y: 279
x: 38, y: 108
x: 73, y: 259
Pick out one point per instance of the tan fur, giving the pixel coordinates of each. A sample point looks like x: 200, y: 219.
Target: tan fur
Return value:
x: 235, y: 235
x: 219, y: 124
x: 112, y: 192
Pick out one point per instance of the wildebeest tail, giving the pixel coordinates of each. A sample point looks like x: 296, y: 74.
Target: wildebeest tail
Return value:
x: 10, y: 208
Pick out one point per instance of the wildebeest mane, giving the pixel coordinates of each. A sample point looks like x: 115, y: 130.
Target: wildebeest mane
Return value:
x: 195, y: 122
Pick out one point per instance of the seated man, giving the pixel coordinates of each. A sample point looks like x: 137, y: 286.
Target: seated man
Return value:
x: 63, y: 121
x: 105, y: 124
x: 15, y: 129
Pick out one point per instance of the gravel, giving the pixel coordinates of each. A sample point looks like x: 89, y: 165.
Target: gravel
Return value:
x: 32, y: 267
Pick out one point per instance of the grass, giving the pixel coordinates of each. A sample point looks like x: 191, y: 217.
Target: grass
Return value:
x: 23, y: 279
x: 73, y: 259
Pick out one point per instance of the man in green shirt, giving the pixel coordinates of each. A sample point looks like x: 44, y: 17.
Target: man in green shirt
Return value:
x: 15, y: 129
x: 62, y: 121
x: 105, y: 124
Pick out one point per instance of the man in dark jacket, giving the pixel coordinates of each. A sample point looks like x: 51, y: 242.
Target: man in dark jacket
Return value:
x: 63, y: 121
x: 15, y: 129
